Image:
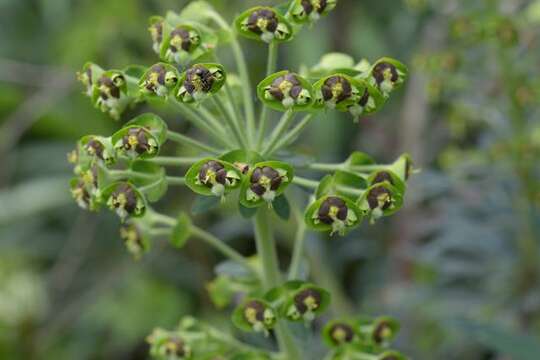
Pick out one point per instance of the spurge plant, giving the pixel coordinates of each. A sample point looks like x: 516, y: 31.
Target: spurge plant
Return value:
x: 241, y: 161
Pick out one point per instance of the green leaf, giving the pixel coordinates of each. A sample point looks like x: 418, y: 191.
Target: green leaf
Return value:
x: 181, y: 231
x: 282, y: 207
x: 359, y: 158
x: 246, y: 212
x: 203, y: 204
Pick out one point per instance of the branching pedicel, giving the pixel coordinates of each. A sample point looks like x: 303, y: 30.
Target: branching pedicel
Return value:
x: 126, y: 173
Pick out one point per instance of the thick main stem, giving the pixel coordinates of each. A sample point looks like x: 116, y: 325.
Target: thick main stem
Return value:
x: 266, y: 249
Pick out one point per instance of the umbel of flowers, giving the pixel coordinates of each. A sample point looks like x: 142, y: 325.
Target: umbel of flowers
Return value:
x: 240, y: 160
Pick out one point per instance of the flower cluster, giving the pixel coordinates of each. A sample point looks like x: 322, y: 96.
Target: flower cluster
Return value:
x: 127, y: 172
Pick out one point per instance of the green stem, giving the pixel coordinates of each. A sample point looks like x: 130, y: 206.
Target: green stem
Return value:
x: 197, y: 119
x: 120, y: 174
x: 270, y: 69
x: 174, y: 160
x: 278, y: 132
x: 293, y: 134
x: 242, y: 71
x: 231, y: 122
x: 266, y: 249
x: 222, y: 247
x: 353, y: 168
x: 160, y: 232
x: 186, y: 140
x: 212, y: 120
x: 176, y: 180
x: 314, y: 184
x: 299, y: 240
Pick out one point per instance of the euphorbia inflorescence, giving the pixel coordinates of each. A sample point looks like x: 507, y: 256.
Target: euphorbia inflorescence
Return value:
x: 240, y: 161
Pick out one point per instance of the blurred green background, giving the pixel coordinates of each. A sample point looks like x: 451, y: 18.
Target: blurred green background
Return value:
x: 459, y: 266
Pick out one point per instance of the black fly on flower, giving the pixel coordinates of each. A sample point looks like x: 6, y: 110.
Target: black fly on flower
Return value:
x: 200, y: 81
x: 302, y: 11
x: 264, y: 24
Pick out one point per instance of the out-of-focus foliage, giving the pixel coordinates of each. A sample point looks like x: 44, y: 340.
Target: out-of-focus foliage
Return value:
x: 458, y: 266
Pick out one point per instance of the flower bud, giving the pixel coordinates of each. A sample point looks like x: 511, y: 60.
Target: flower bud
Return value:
x: 265, y: 24
x: 125, y: 200
x: 135, y: 141
x: 334, y: 213
x: 265, y: 182
x: 310, y: 10
x: 110, y: 93
x: 199, y: 81
x: 160, y: 80
x: 338, y: 333
x: 156, y: 32
x: 212, y: 177
x: 134, y: 239
x: 285, y: 90
x: 165, y: 345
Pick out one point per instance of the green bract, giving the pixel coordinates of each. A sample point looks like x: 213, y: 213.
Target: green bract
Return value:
x: 333, y: 213
x: 184, y: 42
x: 254, y: 315
x: 389, y: 176
x: 181, y: 231
x: 88, y: 77
x: 200, y: 81
x: 302, y: 11
x: 135, y: 142
x: 110, y: 93
x: 381, y: 199
x: 403, y: 167
x: 285, y: 90
x: 338, y: 91
x: 264, y: 182
x: 149, y: 178
x: 213, y: 177
x: 380, y: 331
x: 339, y: 333
x: 135, y: 238
x: 125, y: 199
x: 263, y: 24
x: 98, y: 147
x: 153, y: 123
x: 299, y: 300
x: 387, y: 75
x: 159, y: 80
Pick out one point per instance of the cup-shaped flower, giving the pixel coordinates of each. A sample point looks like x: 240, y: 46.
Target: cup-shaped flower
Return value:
x: 98, y: 147
x: 85, y: 189
x: 125, y: 199
x: 213, y: 177
x: 134, y: 238
x: 183, y: 40
x: 338, y: 333
x: 135, y: 142
x: 383, y: 330
x: 264, y: 182
x: 159, y: 80
x: 388, y: 74
x: 302, y: 11
x: 389, y: 176
x: 200, y: 81
x: 110, y: 93
x: 333, y: 213
x: 285, y: 90
x: 338, y: 91
x: 255, y: 315
x: 380, y: 199
x: 370, y: 101
x: 88, y: 77
x: 263, y: 24
x: 306, y: 303
x: 165, y: 345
